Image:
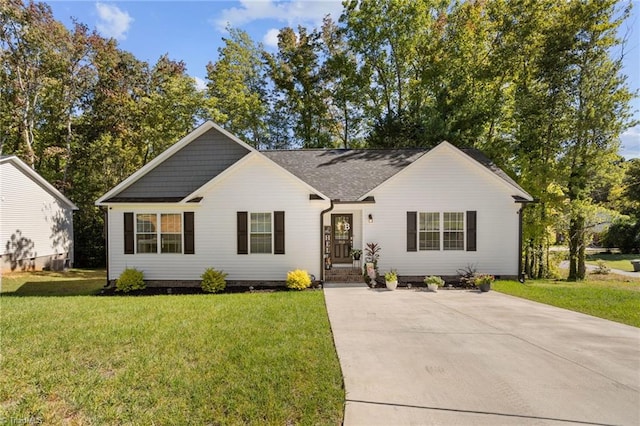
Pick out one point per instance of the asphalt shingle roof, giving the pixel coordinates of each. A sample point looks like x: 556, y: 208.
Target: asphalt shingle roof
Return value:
x: 344, y: 174
x: 348, y: 174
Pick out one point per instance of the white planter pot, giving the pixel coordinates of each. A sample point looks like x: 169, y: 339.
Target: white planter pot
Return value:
x: 391, y: 285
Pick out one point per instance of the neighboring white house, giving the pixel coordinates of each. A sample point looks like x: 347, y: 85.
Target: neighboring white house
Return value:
x: 211, y: 200
x: 36, y: 220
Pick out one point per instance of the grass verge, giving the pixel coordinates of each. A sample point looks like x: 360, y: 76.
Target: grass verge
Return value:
x: 262, y: 358
x: 615, y: 261
x: 611, y: 296
x: 74, y: 282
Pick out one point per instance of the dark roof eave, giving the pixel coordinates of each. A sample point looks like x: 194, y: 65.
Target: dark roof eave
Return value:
x: 144, y: 200
x: 368, y: 200
x: 522, y: 200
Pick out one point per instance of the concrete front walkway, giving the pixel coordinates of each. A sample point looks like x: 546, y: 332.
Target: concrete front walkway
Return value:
x: 466, y: 358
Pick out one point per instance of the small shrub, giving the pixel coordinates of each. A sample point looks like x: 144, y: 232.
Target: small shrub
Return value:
x: 434, y: 279
x: 213, y: 280
x: 298, y: 279
x: 130, y: 279
x: 602, y: 268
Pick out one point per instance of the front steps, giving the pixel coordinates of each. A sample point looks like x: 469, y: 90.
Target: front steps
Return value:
x: 343, y: 275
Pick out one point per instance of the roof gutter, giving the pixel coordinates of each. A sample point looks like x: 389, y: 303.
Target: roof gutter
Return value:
x: 322, y: 259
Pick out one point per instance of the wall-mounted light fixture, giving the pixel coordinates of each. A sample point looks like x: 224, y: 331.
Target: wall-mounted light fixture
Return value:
x: 370, y: 218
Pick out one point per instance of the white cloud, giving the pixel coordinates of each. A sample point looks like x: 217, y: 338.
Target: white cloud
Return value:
x: 200, y: 84
x: 270, y: 39
x: 630, y: 143
x: 290, y: 13
x: 112, y: 22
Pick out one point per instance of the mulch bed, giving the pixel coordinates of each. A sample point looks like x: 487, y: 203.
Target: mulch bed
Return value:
x: 158, y: 291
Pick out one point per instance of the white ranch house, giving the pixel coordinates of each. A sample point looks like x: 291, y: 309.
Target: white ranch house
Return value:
x: 36, y: 220
x: 211, y: 200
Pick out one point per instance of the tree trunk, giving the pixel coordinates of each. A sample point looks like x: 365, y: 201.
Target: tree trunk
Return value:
x: 69, y: 135
x: 577, y: 267
x: 527, y: 264
x: 540, y: 258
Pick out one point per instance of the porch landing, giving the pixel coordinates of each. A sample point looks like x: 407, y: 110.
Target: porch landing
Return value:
x: 343, y: 274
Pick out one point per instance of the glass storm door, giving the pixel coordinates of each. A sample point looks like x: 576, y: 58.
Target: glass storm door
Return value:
x: 342, y: 237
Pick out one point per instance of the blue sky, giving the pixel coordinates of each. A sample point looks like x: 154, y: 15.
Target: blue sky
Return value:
x: 192, y: 31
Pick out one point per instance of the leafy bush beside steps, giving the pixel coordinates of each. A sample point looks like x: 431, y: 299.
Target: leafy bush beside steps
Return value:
x: 298, y: 279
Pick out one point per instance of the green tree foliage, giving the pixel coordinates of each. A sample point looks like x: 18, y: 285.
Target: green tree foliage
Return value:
x: 631, y: 188
x: 172, y: 106
x: 28, y: 37
x: 296, y: 74
x: 343, y: 81
x: 598, y: 112
x: 236, y: 88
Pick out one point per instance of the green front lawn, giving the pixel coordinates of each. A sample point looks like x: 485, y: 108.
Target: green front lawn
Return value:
x: 611, y: 296
x: 615, y: 261
x: 75, y: 282
x: 261, y: 358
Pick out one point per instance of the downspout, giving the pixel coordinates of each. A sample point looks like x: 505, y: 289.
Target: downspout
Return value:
x: 520, y: 268
x: 322, y: 213
x: 106, y: 241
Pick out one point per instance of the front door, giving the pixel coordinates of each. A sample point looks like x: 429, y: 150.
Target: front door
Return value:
x: 341, y: 237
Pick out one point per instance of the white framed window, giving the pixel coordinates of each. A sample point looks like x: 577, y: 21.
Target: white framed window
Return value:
x: 261, y: 237
x: 146, y: 233
x: 170, y: 233
x: 453, y: 230
x: 429, y: 231
x: 166, y: 238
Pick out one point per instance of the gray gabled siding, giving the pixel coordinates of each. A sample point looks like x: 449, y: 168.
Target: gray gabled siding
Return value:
x: 188, y: 169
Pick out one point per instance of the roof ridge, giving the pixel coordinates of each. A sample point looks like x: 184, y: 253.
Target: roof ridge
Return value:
x: 343, y: 149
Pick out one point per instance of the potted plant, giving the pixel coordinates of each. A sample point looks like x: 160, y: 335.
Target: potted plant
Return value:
x: 433, y: 282
x: 373, y: 252
x: 370, y: 274
x: 483, y: 282
x: 356, y: 253
x: 391, y: 279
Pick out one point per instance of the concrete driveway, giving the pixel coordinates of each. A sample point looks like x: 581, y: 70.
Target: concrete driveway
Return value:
x: 464, y: 358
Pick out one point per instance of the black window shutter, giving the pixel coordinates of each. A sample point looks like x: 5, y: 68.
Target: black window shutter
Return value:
x: 129, y: 234
x: 471, y: 231
x: 189, y: 234
x: 412, y: 231
x: 243, y: 236
x: 278, y: 231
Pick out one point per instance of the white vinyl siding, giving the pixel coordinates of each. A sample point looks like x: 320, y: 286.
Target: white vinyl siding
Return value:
x: 35, y: 225
x: 255, y: 185
x: 445, y: 180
